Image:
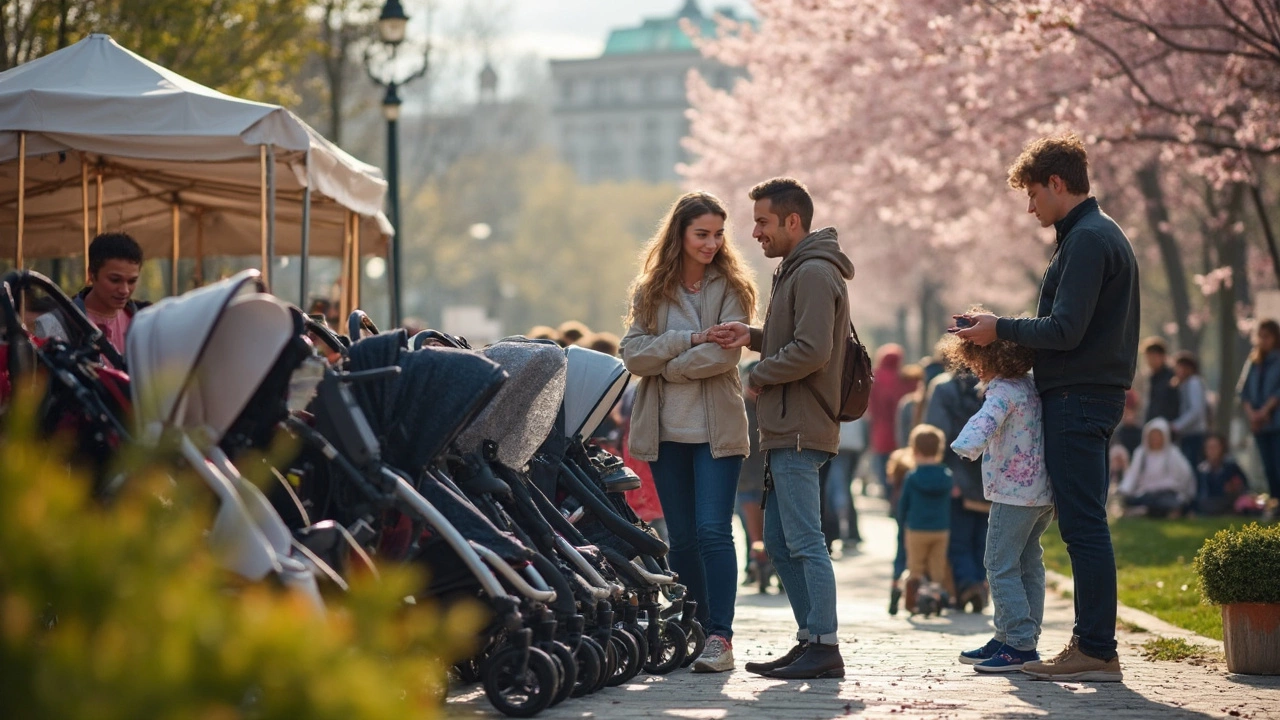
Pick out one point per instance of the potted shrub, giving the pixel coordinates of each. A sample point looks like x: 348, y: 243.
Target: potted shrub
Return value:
x: 1239, y: 569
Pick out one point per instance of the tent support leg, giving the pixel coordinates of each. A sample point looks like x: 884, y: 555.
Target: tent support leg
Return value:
x: 22, y: 198
x: 173, y: 256
x: 84, y: 202
x: 306, y: 243
x: 355, y: 261
x: 198, y: 273
x: 98, y: 226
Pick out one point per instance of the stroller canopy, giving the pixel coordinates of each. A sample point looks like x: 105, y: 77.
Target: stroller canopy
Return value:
x: 197, y: 359
x: 595, y: 382
x: 436, y: 395
x: 524, y: 410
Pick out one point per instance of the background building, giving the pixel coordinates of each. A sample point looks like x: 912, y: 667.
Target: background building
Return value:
x: 621, y: 116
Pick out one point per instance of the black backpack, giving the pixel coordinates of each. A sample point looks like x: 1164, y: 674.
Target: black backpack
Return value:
x: 856, y: 378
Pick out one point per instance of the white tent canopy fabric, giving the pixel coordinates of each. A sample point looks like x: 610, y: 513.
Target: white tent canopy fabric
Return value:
x: 97, y: 113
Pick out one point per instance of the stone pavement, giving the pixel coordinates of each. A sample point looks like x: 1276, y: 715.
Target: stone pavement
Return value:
x: 905, y: 667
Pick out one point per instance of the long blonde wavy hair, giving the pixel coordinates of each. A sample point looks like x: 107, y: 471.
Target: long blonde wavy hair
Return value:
x: 662, y: 261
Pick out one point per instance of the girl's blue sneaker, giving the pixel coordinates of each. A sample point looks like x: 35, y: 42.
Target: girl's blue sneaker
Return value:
x: 986, y: 652
x: 1007, y: 659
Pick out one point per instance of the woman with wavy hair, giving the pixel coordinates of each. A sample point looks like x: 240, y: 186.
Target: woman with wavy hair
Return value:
x: 689, y: 421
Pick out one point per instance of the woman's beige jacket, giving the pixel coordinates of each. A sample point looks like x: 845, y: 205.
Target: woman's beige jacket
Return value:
x: 669, y: 357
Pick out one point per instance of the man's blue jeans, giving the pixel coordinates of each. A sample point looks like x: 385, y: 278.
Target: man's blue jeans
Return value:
x: 1078, y: 423
x: 698, y: 493
x: 793, y: 537
x: 1015, y: 569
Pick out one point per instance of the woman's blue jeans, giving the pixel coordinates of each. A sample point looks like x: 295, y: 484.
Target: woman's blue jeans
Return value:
x: 698, y: 493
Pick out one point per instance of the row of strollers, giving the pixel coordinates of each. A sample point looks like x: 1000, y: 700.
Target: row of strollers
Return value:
x: 472, y: 463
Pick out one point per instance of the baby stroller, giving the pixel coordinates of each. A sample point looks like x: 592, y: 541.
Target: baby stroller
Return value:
x: 83, y: 398
x: 520, y: 677
x: 198, y: 361
x: 588, y: 485
x: 495, y: 450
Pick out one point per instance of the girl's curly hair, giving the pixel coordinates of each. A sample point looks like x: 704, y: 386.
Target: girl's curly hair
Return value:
x: 1002, y: 358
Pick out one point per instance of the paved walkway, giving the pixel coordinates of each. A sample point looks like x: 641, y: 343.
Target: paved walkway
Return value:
x: 901, y: 667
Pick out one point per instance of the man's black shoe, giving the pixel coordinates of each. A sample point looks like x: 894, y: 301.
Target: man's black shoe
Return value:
x: 763, y: 668
x: 818, y: 661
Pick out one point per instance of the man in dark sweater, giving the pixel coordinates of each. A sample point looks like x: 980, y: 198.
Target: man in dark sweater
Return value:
x: 1086, y: 340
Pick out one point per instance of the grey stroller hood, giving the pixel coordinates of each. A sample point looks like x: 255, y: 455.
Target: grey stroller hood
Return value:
x: 594, y: 385
x: 521, y: 415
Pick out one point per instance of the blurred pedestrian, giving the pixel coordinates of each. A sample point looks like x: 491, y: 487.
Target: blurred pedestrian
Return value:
x: 689, y: 421
x: 1160, y: 482
x: 1192, y: 423
x: 1162, y: 393
x: 115, y: 264
x: 1260, y: 395
x: 543, y: 332
x: 571, y: 332
x: 882, y: 410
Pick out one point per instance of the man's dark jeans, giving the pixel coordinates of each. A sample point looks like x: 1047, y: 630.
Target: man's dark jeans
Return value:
x: 1078, y: 423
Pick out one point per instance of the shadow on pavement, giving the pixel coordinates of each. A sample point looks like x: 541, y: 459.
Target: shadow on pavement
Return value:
x: 1079, y: 699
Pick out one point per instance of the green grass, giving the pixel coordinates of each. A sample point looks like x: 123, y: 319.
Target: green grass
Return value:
x: 1175, y: 650
x: 1153, y: 563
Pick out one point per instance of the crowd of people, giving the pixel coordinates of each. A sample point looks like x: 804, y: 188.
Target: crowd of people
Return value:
x: 1009, y: 422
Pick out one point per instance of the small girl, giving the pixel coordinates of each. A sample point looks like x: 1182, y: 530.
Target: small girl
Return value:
x: 1007, y: 434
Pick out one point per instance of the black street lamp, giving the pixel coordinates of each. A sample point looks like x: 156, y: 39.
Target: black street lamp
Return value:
x: 392, y: 25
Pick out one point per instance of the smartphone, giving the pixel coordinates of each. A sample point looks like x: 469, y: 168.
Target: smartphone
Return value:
x: 963, y: 322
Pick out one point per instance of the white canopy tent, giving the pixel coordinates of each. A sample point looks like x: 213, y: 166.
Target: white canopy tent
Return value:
x: 95, y: 138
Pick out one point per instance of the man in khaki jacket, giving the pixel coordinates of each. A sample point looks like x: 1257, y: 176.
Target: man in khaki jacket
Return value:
x: 797, y: 385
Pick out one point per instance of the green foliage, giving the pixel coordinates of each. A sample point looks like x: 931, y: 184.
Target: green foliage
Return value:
x: 1154, y: 572
x: 120, y: 612
x: 247, y: 48
x: 1241, y: 565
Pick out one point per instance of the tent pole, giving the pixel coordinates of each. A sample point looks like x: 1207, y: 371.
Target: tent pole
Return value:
x: 98, y: 228
x: 270, y: 247
x: 306, y: 238
x: 199, y: 269
x: 22, y: 196
x: 344, y: 295
x: 173, y: 265
x: 84, y: 202
x: 355, y: 261
x: 262, y: 204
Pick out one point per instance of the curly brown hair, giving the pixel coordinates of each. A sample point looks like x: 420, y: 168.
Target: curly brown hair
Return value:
x: 1002, y: 358
x: 1041, y: 159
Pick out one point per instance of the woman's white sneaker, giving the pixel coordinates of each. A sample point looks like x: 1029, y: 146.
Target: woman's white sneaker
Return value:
x: 717, y: 656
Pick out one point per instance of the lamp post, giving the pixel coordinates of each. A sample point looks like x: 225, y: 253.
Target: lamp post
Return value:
x: 392, y: 26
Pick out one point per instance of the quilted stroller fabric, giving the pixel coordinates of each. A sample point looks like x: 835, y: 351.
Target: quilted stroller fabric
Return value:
x: 419, y: 412
x: 524, y: 410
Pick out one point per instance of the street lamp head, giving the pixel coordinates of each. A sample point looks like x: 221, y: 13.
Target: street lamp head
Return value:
x: 391, y: 103
x: 392, y: 23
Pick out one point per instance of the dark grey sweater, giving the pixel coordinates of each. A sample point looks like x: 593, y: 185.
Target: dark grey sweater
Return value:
x: 1086, y: 329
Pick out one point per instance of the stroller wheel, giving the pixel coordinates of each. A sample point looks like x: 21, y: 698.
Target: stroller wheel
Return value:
x: 516, y: 693
x: 642, y: 643
x: 673, y: 646
x: 568, y: 665
x: 629, y: 658
x: 590, y: 661
x: 697, y: 643
x: 608, y: 662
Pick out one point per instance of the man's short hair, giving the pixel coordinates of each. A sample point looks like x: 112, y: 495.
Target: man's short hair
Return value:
x: 927, y: 440
x: 1041, y: 159
x: 113, y: 246
x: 1155, y: 344
x: 786, y: 196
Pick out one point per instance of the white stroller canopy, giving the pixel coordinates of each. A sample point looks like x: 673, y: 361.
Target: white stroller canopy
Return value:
x: 595, y: 382
x: 197, y: 359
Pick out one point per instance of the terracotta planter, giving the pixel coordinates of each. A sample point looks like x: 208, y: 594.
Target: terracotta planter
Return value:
x: 1251, y: 638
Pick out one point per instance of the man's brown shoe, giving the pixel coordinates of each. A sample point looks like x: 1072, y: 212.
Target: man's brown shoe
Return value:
x: 1073, y: 665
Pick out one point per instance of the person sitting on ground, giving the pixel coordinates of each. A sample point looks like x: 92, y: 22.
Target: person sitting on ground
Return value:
x: 1220, y: 481
x: 1117, y: 465
x: 115, y: 263
x: 1007, y: 433
x: 1160, y: 481
x: 571, y: 332
x: 925, y: 509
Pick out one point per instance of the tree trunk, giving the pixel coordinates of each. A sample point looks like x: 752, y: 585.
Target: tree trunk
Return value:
x: 1255, y: 192
x: 1232, y: 347
x: 928, y: 299
x: 901, y: 335
x: 1171, y: 255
